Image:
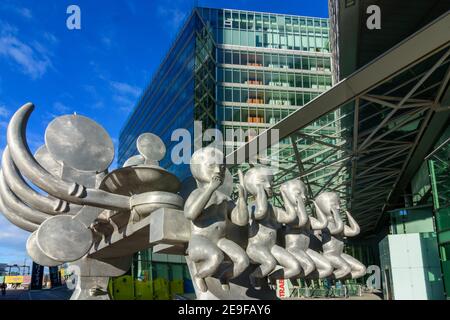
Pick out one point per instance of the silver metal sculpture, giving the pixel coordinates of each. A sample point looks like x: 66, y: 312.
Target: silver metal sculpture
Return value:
x: 209, y: 210
x: 299, y: 233
x: 265, y: 223
x: 332, y: 237
x: 95, y: 220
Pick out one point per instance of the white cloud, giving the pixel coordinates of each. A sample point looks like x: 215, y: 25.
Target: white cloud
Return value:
x: 61, y: 107
x: 50, y: 37
x: 107, y: 41
x: 126, y: 89
x: 4, y: 112
x: 173, y: 16
x: 125, y: 95
x: 24, y: 12
x: 33, y: 60
x: 21, y: 11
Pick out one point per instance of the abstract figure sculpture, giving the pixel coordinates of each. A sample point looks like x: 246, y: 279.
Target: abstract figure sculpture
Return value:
x: 300, y: 231
x: 95, y: 219
x: 333, y: 245
x: 265, y: 222
x: 208, y: 209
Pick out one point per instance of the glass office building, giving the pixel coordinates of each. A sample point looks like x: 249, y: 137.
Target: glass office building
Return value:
x: 231, y: 69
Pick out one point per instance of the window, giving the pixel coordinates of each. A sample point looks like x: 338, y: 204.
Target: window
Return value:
x: 236, y: 114
x: 236, y: 37
x: 297, y: 42
x: 306, y: 81
x: 228, y: 76
x: 220, y: 75
x: 227, y: 36
x: 244, y: 58
x: 228, y: 114
x: 283, y: 41
x: 266, y: 59
x: 244, y: 115
x: 220, y: 57
x: 228, y: 94
x: 236, y: 56
x: 236, y: 95
x: 305, y: 63
x: 236, y: 76
x: 244, y: 95
x: 228, y: 57
x: 251, y: 39
x: 258, y: 22
x: 244, y: 38
x: 290, y: 62
x: 299, y: 99
x: 244, y: 21
x: 251, y: 22
x: 235, y: 20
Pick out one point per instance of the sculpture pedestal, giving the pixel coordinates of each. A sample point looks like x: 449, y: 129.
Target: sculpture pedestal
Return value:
x: 239, y: 288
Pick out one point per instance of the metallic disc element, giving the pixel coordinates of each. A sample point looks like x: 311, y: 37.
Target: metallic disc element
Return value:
x: 37, y: 255
x: 151, y: 146
x: 139, y: 179
x: 44, y: 158
x: 146, y: 203
x: 134, y: 161
x: 63, y: 238
x: 80, y: 143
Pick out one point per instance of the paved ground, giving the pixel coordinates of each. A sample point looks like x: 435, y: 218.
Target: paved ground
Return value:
x: 61, y: 293
x: 365, y: 296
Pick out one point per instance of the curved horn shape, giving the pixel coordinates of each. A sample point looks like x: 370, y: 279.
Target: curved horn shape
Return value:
x: 58, y: 188
x: 24, y: 192
x: 16, y: 205
x: 16, y: 220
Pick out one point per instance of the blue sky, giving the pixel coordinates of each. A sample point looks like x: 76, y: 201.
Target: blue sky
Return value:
x: 98, y: 71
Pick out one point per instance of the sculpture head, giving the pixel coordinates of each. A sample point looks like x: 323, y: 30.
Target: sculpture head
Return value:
x: 260, y: 176
x: 329, y: 204
x: 207, y: 163
x: 294, y: 189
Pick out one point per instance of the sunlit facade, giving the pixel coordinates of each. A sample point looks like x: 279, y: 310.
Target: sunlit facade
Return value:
x: 232, y: 69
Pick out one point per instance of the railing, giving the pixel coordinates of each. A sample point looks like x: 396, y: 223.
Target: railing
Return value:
x: 345, y: 291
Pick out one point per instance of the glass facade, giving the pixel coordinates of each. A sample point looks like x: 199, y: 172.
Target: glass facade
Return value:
x: 439, y: 167
x: 168, y: 102
x: 232, y: 69
x: 268, y: 65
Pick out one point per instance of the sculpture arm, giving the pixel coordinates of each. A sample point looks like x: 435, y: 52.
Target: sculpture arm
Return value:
x: 17, y: 220
x: 262, y: 204
x: 321, y: 222
x: 240, y: 215
x: 352, y: 229
x: 196, y: 202
x: 290, y: 214
x: 23, y: 191
x: 337, y: 226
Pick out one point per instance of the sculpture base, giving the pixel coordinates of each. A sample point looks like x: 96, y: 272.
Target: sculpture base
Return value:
x: 239, y: 288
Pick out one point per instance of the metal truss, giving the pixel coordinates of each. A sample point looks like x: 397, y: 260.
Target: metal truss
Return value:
x: 358, y: 138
